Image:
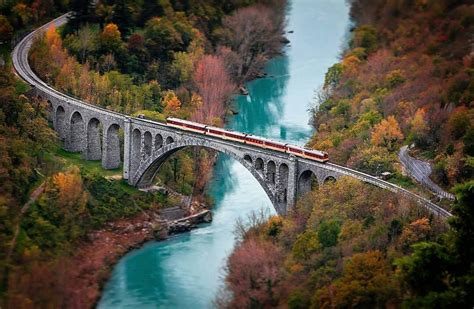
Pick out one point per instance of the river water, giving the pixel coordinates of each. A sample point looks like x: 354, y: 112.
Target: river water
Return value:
x: 186, y: 271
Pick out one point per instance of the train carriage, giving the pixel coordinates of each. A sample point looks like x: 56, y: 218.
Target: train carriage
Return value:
x: 225, y: 134
x: 186, y: 125
x: 310, y: 154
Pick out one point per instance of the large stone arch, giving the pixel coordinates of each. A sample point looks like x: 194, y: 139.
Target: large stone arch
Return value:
x: 158, y: 141
x: 136, y: 156
x: 111, y: 159
x: 77, y: 132
x: 144, y: 175
x: 271, y: 172
x: 307, y: 181
x: 60, y: 121
x: 94, y: 140
x: 147, y: 143
x: 49, y: 111
x: 283, y: 175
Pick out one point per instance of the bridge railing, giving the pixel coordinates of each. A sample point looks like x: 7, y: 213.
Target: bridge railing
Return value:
x: 394, y: 188
x: 428, y: 184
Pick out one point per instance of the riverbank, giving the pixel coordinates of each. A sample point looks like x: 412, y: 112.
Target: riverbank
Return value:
x: 95, y: 257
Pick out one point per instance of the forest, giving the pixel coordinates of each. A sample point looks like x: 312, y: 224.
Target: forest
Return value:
x: 405, y: 78
x: 156, y: 58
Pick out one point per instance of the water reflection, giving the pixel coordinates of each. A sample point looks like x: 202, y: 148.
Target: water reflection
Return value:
x: 263, y: 107
x: 185, y: 272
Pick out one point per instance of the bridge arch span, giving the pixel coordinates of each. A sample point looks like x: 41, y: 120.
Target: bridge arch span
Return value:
x: 147, y: 170
x: 59, y: 119
x: 77, y: 132
x: 111, y: 149
x: 94, y: 139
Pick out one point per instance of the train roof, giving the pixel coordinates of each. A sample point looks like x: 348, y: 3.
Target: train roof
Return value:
x: 186, y: 122
x: 224, y: 130
x: 266, y: 139
x: 316, y: 151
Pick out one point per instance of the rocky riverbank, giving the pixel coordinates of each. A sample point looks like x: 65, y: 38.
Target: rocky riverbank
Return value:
x: 95, y: 257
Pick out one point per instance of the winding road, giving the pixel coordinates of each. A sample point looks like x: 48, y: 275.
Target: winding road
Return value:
x: 421, y: 171
x: 21, y: 65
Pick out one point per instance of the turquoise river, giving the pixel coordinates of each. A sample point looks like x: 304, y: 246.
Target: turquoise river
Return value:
x: 186, y: 271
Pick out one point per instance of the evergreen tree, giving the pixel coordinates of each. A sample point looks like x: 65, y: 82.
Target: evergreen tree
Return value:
x: 82, y: 11
x: 123, y: 17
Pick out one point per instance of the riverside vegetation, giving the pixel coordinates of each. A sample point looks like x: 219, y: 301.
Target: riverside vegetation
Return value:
x: 157, y: 58
x: 406, y: 77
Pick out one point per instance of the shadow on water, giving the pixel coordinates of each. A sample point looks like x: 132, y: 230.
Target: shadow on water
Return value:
x: 263, y: 107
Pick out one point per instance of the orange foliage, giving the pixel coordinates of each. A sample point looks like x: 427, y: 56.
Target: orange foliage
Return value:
x: 70, y: 191
x: 387, y: 133
x: 214, y: 86
x: 254, y: 274
x: 172, y: 103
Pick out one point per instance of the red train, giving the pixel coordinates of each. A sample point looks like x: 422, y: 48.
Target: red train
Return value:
x: 315, y: 155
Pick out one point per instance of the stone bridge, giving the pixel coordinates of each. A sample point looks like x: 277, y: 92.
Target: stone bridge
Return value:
x: 142, y: 146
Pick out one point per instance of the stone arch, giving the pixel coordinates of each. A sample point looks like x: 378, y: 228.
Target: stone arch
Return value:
x: 283, y: 172
x: 248, y: 159
x: 147, y: 170
x: 112, y: 147
x: 135, y: 156
x: 158, y: 141
x: 169, y: 140
x: 329, y: 179
x: 60, y: 121
x: 307, y: 182
x: 77, y: 133
x: 147, y: 143
x: 94, y: 140
x: 259, y: 165
x: 49, y: 111
x: 271, y: 172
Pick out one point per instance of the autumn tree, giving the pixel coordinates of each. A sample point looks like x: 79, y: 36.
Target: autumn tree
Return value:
x: 254, y: 274
x: 110, y: 38
x: 367, y: 282
x: 171, y: 103
x: 253, y: 34
x: 214, y: 86
x: 387, y: 133
x: 419, y: 126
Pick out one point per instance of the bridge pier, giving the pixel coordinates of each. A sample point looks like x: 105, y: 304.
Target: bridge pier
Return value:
x: 127, y: 127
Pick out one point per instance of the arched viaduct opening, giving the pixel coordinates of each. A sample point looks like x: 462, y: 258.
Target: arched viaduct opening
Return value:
x: 144, y: 175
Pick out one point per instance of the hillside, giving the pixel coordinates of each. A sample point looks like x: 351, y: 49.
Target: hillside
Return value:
x: 406, y: 78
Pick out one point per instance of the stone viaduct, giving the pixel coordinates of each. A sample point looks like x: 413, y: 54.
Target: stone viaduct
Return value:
x: 142, y: 146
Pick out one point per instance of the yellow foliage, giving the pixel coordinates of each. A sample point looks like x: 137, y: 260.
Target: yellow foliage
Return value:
x: 418, y: 123
x: 387, y: 133
x: 171, y: 102
x: 70, y: 191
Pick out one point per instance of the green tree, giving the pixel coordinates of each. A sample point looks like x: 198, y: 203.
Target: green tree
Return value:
x: 122, y: 17
x: 333, y: 75
x: 328, y: 233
